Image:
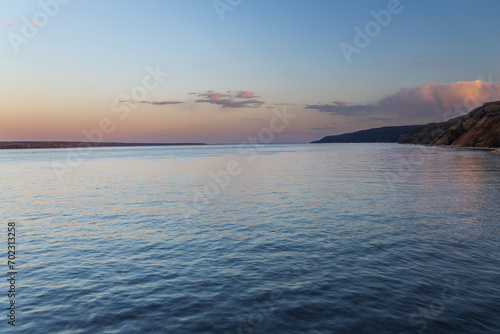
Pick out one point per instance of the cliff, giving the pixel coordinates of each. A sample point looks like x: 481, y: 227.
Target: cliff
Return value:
x: 388, y: 134
x: 479, y: 128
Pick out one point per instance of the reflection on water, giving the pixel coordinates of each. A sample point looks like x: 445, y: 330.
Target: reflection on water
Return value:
x: 351, y: 238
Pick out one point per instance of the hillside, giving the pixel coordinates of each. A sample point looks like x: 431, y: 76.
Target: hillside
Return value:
x: 388, y: 134
x: 479, y: 128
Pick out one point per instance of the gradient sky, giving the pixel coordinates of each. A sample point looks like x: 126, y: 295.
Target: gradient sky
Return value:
x: 231, y: 62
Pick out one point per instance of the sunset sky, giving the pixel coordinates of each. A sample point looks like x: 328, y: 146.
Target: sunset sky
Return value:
x: 339, y: 66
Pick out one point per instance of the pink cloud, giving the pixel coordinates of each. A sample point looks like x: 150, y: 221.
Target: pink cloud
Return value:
x: 241, y: 99
x: 245, y: 95
x: 10, y: 24
x: 431, y: 101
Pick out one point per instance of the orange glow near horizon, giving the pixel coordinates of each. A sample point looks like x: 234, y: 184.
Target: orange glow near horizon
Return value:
x: 65, y: 119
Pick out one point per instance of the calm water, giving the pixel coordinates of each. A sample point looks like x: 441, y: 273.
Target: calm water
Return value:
x: 341, y: 238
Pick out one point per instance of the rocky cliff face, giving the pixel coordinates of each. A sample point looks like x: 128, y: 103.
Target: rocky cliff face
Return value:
x: 479, y: 128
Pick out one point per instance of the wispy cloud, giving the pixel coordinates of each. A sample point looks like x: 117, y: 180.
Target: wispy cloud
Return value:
x: 418, y: 63
x: 19, y: 21
x: 339, y: 109
x: 240, y: 99
x: 156, y: 103
x: 429, y: 63
x: 10, y: 24
x: 245, y: 94
x: 322, y: 129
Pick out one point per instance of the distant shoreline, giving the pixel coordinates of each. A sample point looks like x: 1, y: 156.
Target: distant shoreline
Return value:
x: 77, y: 144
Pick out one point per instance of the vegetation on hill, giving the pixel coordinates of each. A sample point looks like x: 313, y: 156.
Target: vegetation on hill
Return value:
x: 388, y: 134
x: 479, y: 128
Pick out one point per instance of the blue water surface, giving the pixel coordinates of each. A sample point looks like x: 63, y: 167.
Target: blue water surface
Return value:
x: 334, y: 238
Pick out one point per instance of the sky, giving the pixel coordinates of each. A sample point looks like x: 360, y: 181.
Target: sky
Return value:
x: 219, y: 71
